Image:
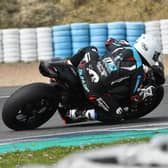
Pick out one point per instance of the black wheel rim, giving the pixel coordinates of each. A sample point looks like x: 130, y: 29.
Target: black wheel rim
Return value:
x: 34, y: 111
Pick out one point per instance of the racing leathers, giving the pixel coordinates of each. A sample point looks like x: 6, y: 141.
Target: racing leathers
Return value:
x: 120, y: 69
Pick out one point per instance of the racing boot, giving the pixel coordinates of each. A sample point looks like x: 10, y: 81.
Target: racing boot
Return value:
x: 64, y: 117
x: 68, y: 116
x: 79, y: 115
x: 92, y: 115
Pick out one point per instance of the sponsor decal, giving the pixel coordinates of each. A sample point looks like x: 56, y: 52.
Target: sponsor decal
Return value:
x: 109, y: 64
x: 117, y: 49
x: 93, y: 75
x: 144, y: 46
x: 84, y: 84
x: 85, y: 60
x: 119, y: 111
x: 156, y: 56
x: 86, y: 57
x: 146, y: 92
x: 102, y: 104
x: 119, y: 80
x: 118, y: 58
x: 129, y: 68
x: 101, y: 69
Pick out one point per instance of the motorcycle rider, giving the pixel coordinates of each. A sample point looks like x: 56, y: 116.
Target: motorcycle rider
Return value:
x: 122, y: 65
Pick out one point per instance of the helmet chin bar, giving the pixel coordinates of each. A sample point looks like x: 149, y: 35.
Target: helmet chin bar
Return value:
x: 156, y: 56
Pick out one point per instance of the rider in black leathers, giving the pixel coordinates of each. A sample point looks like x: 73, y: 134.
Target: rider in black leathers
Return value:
x: 122, y: 67
x: 117, y: 68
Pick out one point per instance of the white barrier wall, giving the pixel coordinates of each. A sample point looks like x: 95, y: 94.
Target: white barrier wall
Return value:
x: 1, y: 49
x: 28, y: 44
x: 153, y: 27
x: 11, y: 48
x: 164, y: 35
x: 44, y: 43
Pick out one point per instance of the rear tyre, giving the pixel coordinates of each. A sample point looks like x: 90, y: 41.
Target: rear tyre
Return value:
x: 30, y: 106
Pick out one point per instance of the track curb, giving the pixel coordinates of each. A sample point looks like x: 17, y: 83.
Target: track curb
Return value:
x: 80, y: 139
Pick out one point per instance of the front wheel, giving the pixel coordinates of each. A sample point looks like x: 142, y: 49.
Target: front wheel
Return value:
x: 30, y: 106
x: 146, y: 109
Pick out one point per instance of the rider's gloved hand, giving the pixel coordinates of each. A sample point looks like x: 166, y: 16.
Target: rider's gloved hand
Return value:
x: 134, y: 103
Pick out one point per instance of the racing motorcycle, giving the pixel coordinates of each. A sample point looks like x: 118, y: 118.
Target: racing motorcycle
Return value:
x: 34, y: 104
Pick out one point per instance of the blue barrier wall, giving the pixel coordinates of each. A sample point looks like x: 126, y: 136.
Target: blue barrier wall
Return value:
x: 80, y: 36
x: 134, y: 30
x: 67, y: 39
x: 62, y: 41
x: 117, y: 30
x: 98, y: 36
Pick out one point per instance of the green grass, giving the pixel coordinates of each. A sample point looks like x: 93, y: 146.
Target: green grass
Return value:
x: 34, y: 13
x: 51, y: 155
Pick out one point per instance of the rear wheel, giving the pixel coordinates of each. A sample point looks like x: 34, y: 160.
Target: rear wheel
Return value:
x: 30, y: 106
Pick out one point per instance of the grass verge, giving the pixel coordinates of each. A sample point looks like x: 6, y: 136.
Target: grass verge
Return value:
x: 52, y: 155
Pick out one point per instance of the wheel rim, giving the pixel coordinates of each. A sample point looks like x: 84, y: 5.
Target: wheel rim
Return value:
x: 34, y: 111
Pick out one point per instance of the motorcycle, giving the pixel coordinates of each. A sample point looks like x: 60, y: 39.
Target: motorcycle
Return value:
x: 34, y: 104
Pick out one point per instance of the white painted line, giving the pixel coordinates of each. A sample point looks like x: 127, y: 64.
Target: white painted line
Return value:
x: 4, y: 97
x: 153, y: 126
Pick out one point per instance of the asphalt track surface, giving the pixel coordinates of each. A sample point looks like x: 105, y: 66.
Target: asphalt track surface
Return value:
x: 55, y: 126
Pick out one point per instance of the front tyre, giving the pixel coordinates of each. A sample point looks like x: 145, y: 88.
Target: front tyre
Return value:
x: 144, y: 108
x: 30, y: 106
